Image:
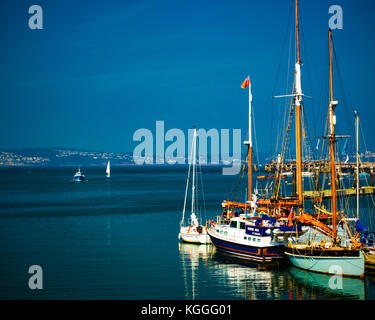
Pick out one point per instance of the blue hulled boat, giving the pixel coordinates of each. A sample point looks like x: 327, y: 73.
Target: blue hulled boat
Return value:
x: 253, y: 238
x: 79, y: 176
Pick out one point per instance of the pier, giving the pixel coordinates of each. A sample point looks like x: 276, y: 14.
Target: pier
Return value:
x: 322, y: 166
x: 349, y: 192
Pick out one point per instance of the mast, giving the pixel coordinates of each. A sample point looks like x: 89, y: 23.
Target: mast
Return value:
x: 332, y: 120
x: 250, y: 148
x: 298, y: 100
x: 187, y: 184
x: 194, y: 164
x: 357, y: 159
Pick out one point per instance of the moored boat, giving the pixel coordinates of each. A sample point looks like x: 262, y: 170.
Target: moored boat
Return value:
x: 194, y: 231
x: 332, y: 255
x: 261, y: 239
x: 250, y: 234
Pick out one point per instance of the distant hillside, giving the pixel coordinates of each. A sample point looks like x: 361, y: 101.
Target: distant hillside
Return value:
x: 60, y: 157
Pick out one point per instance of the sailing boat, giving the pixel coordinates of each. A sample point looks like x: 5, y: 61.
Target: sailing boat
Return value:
x: 194, y: 232
x: 244, y: 233
x: 335, y: 256
x: 108, y: 170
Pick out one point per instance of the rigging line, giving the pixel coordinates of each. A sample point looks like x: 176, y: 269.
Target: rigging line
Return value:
x: 323, y: 89
x: 278, y: 72
x: 203, y: 197
x: 346, y: 108
x: 363, y: 136
x: 282, y: 125
x: 186, y: 190
x: 235, y: 197
x: 255, y: 136
x: 307, y: 67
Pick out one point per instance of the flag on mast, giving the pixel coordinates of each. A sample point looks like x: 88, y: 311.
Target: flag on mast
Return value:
x: 246, y: 83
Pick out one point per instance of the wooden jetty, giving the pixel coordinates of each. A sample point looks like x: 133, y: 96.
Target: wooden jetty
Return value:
x: 349, y: 192
x: 322, y: 166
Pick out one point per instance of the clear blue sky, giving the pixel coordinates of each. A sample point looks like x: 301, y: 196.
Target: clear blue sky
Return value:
x: 99, y: 70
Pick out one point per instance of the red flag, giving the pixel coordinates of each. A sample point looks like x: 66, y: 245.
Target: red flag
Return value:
x: 246, y: 83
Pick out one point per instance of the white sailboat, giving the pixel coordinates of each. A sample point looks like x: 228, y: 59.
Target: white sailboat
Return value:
x: 193, y: 232
x: 108, y: 170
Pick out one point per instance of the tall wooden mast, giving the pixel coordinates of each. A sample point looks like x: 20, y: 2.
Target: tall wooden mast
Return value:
x: 298, y: 100
x: 357, y: 159
x: 332, y: 120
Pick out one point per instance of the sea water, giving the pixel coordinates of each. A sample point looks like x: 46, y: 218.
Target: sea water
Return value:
x: 117, y: 238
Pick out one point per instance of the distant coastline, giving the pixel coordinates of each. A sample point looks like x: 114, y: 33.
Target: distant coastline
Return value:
x: 60, y: 157
x: 68, y: 157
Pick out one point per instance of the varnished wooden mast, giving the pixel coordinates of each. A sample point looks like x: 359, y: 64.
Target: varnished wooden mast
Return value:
x: 298, y: 99
x: 332, y: 141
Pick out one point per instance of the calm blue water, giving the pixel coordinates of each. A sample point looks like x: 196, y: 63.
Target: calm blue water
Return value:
x: 117, y: 239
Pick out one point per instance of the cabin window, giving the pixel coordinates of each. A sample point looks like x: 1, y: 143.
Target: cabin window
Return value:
x: 245, y: 238
x: 254, y: 239
x: 233, y: 224
x: 258, y: 240
x: 242, y: 225
x: 217, y: 230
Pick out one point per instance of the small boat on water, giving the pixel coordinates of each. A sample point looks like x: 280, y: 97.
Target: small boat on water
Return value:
x: 79, y: 176
x: 108, y: 170
x: 194, y: 231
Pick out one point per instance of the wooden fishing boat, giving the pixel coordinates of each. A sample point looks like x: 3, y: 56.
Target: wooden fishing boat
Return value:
x: 331, y: 255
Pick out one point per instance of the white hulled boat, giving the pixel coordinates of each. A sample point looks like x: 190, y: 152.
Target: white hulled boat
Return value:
x: 194, y: 231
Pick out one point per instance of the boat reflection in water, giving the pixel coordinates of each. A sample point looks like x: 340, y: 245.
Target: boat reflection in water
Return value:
x: 333, y: 286
x: 192, y: 255
x: 206, y: 269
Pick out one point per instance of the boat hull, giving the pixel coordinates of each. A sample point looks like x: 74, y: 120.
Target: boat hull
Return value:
x: 348, y: 265
x: 79, y: 179
x: 248, y: 252
x: 189, y: 235
x: 195, y: 238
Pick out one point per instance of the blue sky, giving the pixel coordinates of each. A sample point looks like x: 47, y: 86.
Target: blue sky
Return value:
x: 99, y: 70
